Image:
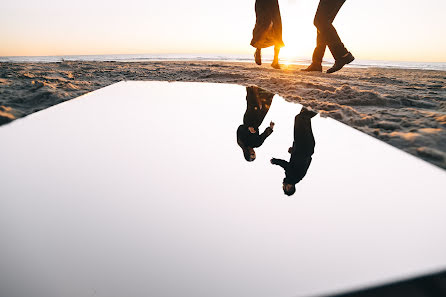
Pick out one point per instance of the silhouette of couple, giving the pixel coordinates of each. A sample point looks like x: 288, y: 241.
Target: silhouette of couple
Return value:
x: 248, y: 137
x: 268, y: 32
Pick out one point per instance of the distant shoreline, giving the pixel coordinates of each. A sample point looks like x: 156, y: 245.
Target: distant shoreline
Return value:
x: 439, y: 66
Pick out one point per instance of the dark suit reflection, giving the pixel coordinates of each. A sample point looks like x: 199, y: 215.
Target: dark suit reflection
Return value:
x: 258, y: 103
x: 301, y: 152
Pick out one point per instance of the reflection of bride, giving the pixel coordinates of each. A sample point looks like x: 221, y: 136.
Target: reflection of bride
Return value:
x: 301, y: 152
x: 248, y: 136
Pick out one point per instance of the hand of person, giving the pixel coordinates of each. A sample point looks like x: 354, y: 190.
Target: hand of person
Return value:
x: 252, y: 130
x: 271, y: 125
x: 290, y: 150
x: 272, y: 160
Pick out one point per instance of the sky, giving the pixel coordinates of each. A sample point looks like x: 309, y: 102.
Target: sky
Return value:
x: 398, y: 30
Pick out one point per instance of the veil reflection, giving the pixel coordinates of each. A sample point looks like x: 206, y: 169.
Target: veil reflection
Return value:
x: 301, y: 152
x: 248, y: 137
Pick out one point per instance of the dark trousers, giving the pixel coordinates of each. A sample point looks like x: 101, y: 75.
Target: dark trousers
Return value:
x: 326, y: 33
x: 304, y: 142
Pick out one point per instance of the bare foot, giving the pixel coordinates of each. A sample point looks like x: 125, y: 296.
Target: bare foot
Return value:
x: 258, y: 57
x: 275, y: 65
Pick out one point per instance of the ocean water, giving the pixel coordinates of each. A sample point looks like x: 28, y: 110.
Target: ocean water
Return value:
x: 227, y: 58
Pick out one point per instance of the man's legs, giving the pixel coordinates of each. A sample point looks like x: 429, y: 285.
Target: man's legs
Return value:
x: 325, y: 14
x: 319, y: 51
x: 327, y: 36
x: 318, y: 54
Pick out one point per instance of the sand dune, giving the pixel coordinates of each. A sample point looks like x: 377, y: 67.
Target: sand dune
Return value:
x: 405, y: 108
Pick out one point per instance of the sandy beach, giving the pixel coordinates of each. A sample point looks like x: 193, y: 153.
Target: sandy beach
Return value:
x: 404, y: 108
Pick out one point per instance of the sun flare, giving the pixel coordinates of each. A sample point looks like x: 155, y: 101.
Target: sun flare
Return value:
x: 299, y: 38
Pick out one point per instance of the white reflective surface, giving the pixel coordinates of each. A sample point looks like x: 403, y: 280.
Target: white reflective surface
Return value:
x: 140, y: 189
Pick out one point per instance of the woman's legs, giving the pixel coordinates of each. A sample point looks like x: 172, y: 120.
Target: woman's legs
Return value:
x: 258, y: 56
x: 275, y: 63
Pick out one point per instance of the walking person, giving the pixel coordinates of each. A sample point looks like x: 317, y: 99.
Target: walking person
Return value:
x: 327, y: 36
x: 268, y: 30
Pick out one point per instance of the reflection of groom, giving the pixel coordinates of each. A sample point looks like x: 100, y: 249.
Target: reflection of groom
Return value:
x: 327, y: 36
x: 301, y: 152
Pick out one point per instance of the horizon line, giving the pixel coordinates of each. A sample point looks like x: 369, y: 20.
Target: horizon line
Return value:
x: 204, y: 54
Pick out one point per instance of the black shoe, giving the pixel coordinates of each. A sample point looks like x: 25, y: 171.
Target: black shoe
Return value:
x: 341, y: 63
x: 307, y: 113
x: 313, y: 67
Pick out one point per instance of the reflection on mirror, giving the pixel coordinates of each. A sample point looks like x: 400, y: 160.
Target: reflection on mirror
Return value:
x: 301, y: 152
x: 248, y: 137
